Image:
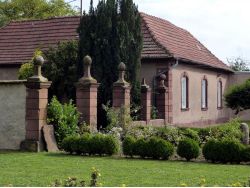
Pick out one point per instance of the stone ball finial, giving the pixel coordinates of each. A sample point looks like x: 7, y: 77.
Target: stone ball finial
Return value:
x: 162, y: 77
x: 38, y: 60
x: 121, y: 67
x: 87, y: 60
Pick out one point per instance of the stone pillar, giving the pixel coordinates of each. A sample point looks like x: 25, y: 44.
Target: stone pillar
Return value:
x: 36, y: 108
x: 162, y: 98
x: 121, y: 89
x: 145, y: 102
x: 86, y: 96
x: 245, y: 130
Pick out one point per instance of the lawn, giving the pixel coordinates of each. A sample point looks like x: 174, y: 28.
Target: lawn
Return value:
x: 40, y: 169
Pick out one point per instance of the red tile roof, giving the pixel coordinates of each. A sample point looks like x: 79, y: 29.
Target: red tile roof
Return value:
x: 18, y: 40
x: 175, y: 42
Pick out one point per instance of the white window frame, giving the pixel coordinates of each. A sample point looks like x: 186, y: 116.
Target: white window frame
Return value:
x: 184, y: 92
x: 204, y: 94
x: 219, y: 94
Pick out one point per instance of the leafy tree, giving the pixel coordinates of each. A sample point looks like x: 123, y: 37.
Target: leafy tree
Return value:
x: 238, y: 97
x: 33, y: 9
x: 238, y: 64
x: 111, y: 33
x: 61, y: 69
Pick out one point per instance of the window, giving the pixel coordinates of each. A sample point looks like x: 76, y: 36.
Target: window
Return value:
x: 204, y: 94
x: 184, y: 92
x: 219, y: 94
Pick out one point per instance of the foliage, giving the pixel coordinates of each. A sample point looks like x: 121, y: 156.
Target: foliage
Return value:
x: 169, y: 133
x: 117, y: 117
x: 189, y: 133
x: 111, y: 33
x: 153, y: 147
x: 238, y: 64
x: 84, y: 128
x: 91, y: 144
x: 188, y: 149
x: 154, y: 112
x: 33, y: 9
x: 26, y: 70
x: 74, y: 182
x: 61, y: 69
x: 128, y: 146
x: 245, y: 154
x: 64, y: 117
x: 141, y: 131
x: 237, y: 97
x: 223, y: 151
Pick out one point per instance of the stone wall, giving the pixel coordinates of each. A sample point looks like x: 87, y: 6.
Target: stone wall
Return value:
x: 12, y: 114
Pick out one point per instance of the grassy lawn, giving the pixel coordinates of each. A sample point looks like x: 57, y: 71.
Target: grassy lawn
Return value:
x: 31, y: 169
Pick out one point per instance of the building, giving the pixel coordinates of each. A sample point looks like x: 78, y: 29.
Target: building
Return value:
x: 196, y: 79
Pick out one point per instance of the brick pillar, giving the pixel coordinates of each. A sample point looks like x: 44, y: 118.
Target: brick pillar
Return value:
x: 36, y: 108
x: 86, y: 96
x: 145, y: 102
x: 162, y: 99
x: 121, y: 89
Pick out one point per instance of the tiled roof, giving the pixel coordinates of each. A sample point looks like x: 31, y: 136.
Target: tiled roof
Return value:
x: 175, y: 42
x: 18, y: 40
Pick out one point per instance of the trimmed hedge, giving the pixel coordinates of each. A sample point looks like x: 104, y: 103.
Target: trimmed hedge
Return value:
x: 188, y: 149
x: 245, y: 154
x: 154, y: 147
x: 224, y: 151
x: 91, y: 144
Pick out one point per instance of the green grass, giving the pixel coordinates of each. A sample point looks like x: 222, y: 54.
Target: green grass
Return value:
x: 32, y: 169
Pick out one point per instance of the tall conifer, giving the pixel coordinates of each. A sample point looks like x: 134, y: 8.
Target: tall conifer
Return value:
x: 111, y: 33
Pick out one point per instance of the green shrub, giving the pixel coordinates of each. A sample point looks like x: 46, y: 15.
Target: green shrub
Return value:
x: 84, y: 144
x: 65, y: 119
x: 223, y: 151
x: 245, y: 154
x: 159, y: 148
x: 91, y: 144
x: 25, y: 71
x: 188, y: 149
x: 170, y: 134
x: 189, y: 133
x: 111, y: 145
x: 141, y: 148
x: 211, y: 150
x: 204, y: 134
x: 128, y: 145
x: 230, y: 151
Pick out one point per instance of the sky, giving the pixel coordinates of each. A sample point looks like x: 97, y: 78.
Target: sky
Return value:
x: 223, y: 26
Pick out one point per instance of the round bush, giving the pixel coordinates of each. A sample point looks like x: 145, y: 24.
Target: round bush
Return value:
x: 141, y: 148
x: 111, y: 145
x: 159, y: 148
x: 84, y: 144
x: 188, y: 149
x: 211, y: 150
x: 245, y: 154
x: 230, y: 151
x: 97, y: 144
x: 189, y: 133
x: 128, y: 146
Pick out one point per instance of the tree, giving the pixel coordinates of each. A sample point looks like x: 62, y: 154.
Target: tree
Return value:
x: 238, y: 97
x: 33, y: 9
x: 238, y: 64
x: 111, y: 33
x: 61, y: 69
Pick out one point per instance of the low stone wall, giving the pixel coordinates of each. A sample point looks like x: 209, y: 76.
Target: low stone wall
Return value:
x: 12, y: 114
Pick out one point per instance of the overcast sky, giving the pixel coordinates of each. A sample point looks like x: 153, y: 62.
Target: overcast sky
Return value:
x: 223, y: 26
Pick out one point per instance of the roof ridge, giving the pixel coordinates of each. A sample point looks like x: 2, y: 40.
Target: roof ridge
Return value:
x: 41, y: 19
x: 158, y: 43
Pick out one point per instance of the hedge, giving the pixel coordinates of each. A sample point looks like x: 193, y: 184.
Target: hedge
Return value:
x: 89, y: 144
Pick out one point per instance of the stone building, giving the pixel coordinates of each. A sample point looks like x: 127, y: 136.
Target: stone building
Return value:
x: 195, y: 78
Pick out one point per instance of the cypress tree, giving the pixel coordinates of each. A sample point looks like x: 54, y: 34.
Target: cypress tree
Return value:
x: 111, y: 33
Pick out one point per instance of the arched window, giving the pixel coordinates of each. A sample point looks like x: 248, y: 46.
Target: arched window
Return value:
x: 184, y: 92
x: 204, y: 97
x: 219, y: 94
